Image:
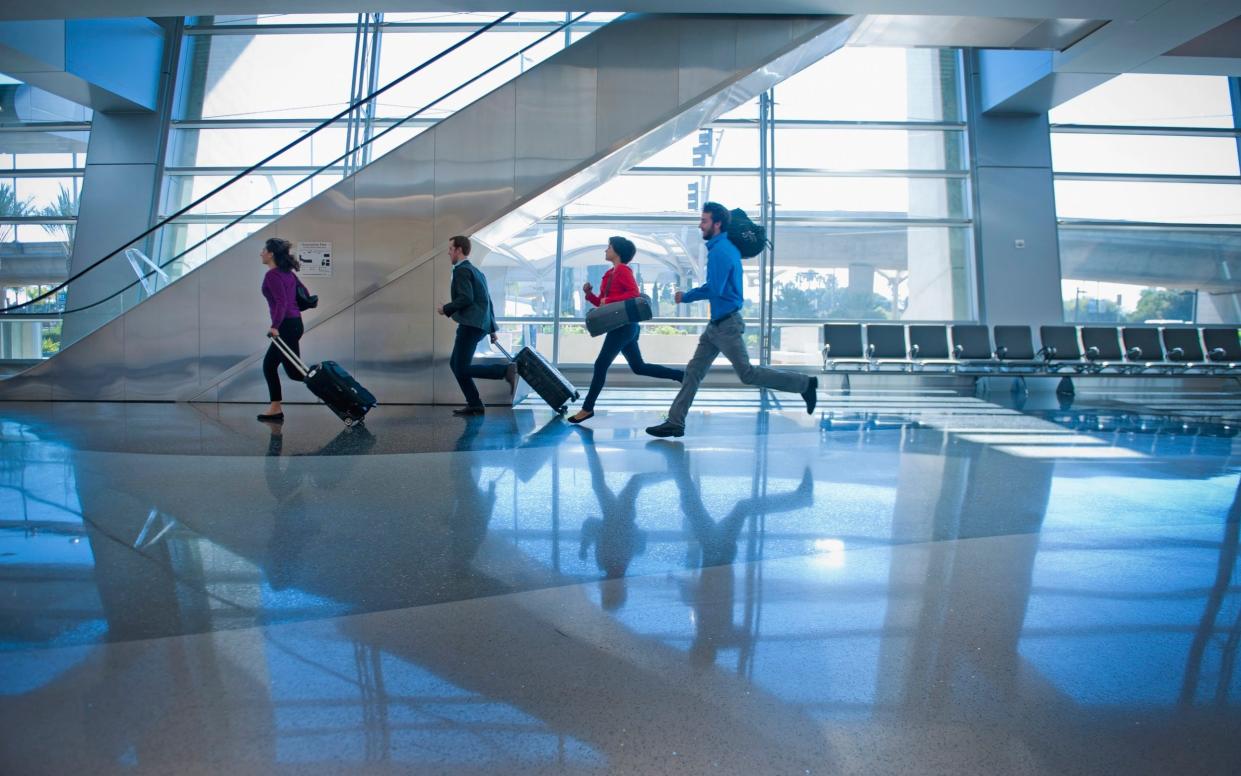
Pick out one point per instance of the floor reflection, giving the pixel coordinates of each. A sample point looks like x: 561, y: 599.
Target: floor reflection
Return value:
x: 966, y: 588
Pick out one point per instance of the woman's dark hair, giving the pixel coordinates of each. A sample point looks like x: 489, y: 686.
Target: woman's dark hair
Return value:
x: 279, y: 250
x: 624, y: 248
x: 719, y: 214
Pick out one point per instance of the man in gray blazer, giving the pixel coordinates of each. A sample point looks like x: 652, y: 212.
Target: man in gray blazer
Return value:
x: 471, y: 309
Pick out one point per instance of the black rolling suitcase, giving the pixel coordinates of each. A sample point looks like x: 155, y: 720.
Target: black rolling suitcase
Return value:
x: 544, y: 378
x: 336, y: 387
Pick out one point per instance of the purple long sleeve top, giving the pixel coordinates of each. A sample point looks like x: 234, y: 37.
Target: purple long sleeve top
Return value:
x: 280, y: 290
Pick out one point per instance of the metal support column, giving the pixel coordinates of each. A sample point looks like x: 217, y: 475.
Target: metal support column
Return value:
x: 558, y: 287
x: 767, y: 185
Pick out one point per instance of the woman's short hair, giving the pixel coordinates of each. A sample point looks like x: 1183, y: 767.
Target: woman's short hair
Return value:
x: 624, y: 248
x: 281, y: 251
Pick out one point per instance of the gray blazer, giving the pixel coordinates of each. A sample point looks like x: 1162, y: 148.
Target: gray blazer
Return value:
x: 471, y: 304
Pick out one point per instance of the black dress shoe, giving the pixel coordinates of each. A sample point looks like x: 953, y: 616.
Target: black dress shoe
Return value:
x: 274, y: 417
x: 666, y: 429
x: 465, y: 412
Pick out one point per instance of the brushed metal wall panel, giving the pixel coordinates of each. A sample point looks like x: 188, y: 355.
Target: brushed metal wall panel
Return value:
x: 757, y: 43
x: 232, y: 314
x: 444, y: 387
x: 474, y: 164
x: 556, y: 108
x: 396, y: 338
x: 708, y: 50
x: 638, y: 80
x: 98, y: 373
x: 326, y: 342
x: 394, y: 210
x: 34, y: 384
x: 328, y: 216
x: 161, y: 344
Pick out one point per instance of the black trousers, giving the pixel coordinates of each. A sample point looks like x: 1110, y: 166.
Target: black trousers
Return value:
x: 462, y: 364
x: 291, y: 332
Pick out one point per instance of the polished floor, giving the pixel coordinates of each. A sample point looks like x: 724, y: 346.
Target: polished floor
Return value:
x: 902, y: 583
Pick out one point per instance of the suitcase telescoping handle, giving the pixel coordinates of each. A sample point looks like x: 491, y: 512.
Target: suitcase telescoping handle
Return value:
x: 289, y: 354
x: 502, y: 350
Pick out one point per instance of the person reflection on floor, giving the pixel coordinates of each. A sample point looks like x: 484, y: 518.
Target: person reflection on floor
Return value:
x: 285, y: 482
x: 472, y: 502
x: 616, y: 536
x: 711, y: 593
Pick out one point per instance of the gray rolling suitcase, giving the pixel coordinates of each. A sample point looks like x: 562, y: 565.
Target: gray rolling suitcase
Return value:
x: 606, y: 317
x: 543, y: 378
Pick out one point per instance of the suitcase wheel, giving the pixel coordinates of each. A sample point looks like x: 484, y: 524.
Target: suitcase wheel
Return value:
x: 562, y: 409
x: 576, y: 395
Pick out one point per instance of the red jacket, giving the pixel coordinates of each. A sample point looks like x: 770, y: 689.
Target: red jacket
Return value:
x: 617, y: 286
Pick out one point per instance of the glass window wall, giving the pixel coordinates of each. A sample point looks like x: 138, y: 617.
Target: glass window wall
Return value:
x: 249, y: 85
x: 1148, y: 197
x: 871, y: 216
x: 867, y: 183
x: 43, y: 145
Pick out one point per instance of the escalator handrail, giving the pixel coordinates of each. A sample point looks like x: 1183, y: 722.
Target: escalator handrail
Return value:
x: 323, y: 125
x: 312, y: 174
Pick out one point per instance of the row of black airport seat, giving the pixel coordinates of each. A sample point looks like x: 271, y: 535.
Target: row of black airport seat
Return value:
x: 971, y: 349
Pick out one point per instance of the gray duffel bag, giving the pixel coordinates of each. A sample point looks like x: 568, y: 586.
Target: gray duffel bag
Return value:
x: 606, y: 317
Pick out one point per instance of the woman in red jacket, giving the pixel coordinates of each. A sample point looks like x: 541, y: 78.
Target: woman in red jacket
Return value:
x: 618, y: 284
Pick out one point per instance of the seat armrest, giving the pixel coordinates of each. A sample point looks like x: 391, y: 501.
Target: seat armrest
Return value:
x: 913, y: 351
x: 1134, y: 353
x: 870, y: 350
x: 1092, y: 353
x: 1176, y: 354
x: 1001, y: 351
x: 957, y: 350
x: 1217, y: 354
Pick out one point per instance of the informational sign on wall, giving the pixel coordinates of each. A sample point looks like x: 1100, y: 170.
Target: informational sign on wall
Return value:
x: 316, y: 259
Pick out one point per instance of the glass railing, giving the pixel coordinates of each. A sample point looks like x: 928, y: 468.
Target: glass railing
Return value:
x: 218, y: 212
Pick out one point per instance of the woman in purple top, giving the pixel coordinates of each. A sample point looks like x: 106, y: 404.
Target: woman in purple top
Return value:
x: 280, y: 290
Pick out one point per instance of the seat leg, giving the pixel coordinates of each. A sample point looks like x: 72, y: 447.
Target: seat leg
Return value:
x: 844, y: 384
x: 1019, y: 386
x: 1065, y: 388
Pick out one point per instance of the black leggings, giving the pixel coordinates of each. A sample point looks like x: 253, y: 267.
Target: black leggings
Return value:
x: 291, y: 332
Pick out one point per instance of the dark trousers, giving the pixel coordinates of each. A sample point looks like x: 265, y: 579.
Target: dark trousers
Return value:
x: 291, y: 332
x: 625, y: 342
x: 462, y: 364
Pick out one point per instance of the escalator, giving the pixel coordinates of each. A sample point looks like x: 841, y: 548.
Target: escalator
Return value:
x: 189, y: 324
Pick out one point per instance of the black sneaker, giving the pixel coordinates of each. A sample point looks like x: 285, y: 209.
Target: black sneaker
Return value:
x: 666, y: 429
x: 468, y: 411
x: 811, y: 395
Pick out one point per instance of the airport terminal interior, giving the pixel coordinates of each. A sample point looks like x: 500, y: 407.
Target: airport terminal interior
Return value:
x: 956, y: 494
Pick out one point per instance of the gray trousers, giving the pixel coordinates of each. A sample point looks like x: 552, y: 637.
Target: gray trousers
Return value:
x: 725, y: 337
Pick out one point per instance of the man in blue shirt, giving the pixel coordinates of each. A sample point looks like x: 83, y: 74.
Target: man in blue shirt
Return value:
x: 723, y: 334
